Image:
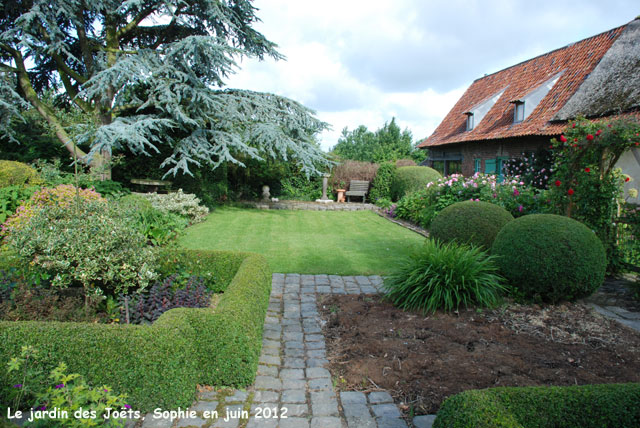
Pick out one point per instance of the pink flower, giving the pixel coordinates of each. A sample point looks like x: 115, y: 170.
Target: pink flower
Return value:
x: 515, y: 192
x: 520, y: 208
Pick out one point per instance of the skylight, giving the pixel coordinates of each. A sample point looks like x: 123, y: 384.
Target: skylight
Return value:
x: 476, y: 114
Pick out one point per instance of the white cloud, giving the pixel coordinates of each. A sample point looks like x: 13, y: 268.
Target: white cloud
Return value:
x: 365, y: 61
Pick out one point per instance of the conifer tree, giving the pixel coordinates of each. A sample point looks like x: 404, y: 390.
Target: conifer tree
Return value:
x: 151, y: 73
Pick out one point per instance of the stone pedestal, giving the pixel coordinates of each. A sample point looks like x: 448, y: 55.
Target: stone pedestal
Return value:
x: 324, y: 198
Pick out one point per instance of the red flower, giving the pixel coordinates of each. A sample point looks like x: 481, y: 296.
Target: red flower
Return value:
x: 558, y: 183
x: 626, y: 179
x: 598, y: 132
x: 587, y: 169
x: 589, y: 137
x: 573, y: 126
x: 570, y: 192
x: 563, y: 138
x: 574, y: 145
x: 575, y: 140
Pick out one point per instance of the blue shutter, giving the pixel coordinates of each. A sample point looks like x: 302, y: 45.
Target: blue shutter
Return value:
x: 490, y: 166
x: 476, y: 165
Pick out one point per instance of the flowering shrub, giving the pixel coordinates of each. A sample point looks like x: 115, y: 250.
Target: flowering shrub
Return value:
x: 184, y: 204
x: 511, y: 193
x: 586, y: 184
x: 12, y: 197
x: 534, y: 169
x: 63, y: 196
x: 95, y: 245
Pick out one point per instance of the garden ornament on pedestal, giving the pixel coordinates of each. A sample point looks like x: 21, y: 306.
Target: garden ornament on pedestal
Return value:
x: 324, y: 199
x: 265, y: 193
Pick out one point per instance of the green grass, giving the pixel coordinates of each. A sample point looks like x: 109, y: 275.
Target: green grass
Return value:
x: 309, y: 242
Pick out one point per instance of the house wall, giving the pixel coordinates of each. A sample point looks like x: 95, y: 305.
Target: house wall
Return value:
x: 629, y: 163
x: 486, y: 150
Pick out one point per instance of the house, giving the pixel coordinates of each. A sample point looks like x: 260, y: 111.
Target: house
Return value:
x: 519, y: 109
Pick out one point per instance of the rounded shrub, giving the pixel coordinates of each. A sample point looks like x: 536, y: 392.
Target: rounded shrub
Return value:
x: 14, y: 173
x: 381, y: 185
x: 470, y: 222
x: 550, y: 258
x: 445, y: 276
x: 408, y: 179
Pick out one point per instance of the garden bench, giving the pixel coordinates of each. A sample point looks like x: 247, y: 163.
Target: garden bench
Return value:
x: 151, y: 185
x: 357, y: 188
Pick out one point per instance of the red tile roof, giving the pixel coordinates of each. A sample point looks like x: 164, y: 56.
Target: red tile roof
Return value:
x: 576, y: 61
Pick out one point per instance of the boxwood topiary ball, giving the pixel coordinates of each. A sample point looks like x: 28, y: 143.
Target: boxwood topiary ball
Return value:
x: 550, y: 258
x: 409, y: 179
x: 470, y: 222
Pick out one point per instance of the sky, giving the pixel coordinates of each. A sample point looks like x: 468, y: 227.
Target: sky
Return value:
x: 363, y: 62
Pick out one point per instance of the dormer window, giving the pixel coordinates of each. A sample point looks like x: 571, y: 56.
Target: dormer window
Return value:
x: 518, y: 111
x: 469, y: 120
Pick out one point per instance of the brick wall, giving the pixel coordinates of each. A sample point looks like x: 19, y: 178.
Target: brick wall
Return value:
x: 491, y: 149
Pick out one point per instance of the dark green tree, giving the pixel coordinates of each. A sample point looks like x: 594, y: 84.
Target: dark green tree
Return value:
x: 388, y: 143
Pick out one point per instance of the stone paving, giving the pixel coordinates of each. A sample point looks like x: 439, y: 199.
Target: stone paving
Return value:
x: 292, y: 387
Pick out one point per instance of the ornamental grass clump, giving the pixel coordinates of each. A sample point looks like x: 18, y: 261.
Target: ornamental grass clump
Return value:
x: 445, y: 276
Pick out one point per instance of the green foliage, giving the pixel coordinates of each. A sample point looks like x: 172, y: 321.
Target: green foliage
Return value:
x: 17, y: 174
x: 159, y: 227
x: 628, y: 233
x: 92, y: 244
x: 386, y: 144
x: 186, y: 205
x: 12, y: 197
x: 160, y: 365
x: 470, y: 222
x: 587, y: 406
x: 381, y: 185
x: 550, y: 258
x: 585, y: 184
x: 408, y: 179
x: 66, y: 393
x: 301, y: 188
x: 445, y: 276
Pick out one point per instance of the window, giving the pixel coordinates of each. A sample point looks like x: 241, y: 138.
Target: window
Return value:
x: 518, y: 112
x: 438, y: 166
x: 490, y: 166
x: 477, y: 165
x: 454, y: 167
x: 469, y: 121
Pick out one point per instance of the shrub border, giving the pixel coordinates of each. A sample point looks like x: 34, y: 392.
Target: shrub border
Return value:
x: 160, y: 365
x: 586, y: 406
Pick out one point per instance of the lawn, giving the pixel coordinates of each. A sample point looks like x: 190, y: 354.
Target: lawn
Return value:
x: 310, y: 242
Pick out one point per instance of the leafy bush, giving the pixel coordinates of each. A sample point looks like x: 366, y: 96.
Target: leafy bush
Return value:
x: 11, y: 197
x: 14, y: 173
x: 550, y: 258
x: 157, y: 226
x: 160, y: 365
x: 445, y: 276
x: 300, y: 188
x: 63, y: 392
x: 587, y: 406
x: 470, y: 222
x: 95, y: 245
x: 183, y: 204
x: 381, y: 185
x: 344, y: 172
x: 409, y: 179
x: 146, y: 307
x: 62, y: 196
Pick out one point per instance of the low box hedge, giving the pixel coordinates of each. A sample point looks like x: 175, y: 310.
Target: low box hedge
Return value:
x: 587, y: 406
x: 160, y: 365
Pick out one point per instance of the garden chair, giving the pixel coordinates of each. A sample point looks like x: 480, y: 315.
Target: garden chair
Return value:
x: 357, y: 188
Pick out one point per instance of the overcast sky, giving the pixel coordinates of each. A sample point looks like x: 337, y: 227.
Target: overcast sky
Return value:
x: 362, y: 62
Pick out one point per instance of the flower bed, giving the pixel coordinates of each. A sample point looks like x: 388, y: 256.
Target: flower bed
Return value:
x: 161, y: 364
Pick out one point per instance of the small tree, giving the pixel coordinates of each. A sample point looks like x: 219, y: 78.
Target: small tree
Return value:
x: 386, y: 144
x: 585, y: 184
x: 149, y: 73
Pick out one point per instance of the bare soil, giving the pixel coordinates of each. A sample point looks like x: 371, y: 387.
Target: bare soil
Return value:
x: 421, y: 360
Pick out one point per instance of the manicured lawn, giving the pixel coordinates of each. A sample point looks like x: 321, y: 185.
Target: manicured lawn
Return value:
x: 311, y: 242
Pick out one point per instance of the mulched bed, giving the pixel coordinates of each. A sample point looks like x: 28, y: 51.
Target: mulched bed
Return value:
x: 421, y: 360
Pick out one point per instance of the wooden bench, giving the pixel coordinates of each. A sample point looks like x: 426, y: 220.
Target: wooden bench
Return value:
x: 357, y: 188
x: 151, y: 185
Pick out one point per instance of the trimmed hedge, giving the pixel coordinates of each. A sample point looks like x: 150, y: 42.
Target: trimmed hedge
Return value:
x: 550, y: 257
x: 161, y: 364
x: 409, y: 179
x: 587, y: 406
x: 470, y: 222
